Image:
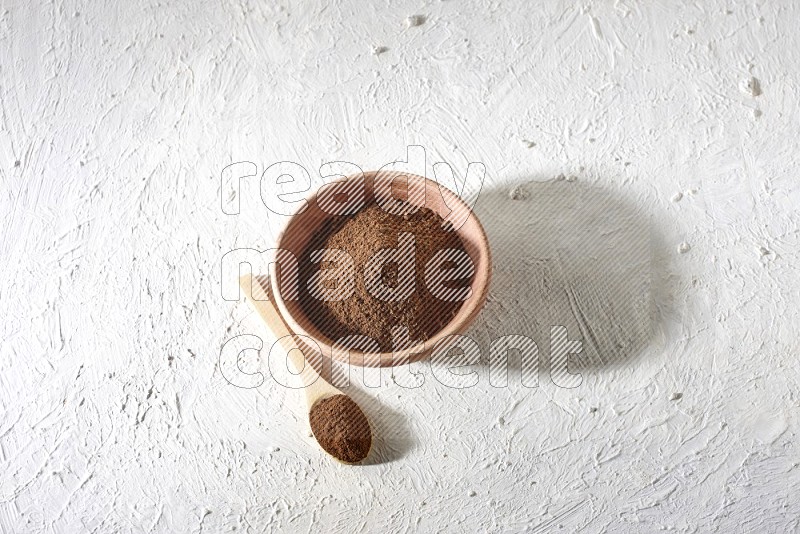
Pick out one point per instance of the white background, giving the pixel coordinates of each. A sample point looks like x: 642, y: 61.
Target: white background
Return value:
x: 115, y: 416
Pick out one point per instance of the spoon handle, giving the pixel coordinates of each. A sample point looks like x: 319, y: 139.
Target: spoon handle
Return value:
x: 257, y: 292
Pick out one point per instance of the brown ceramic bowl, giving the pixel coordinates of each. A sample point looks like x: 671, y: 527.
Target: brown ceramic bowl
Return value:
x: 304, y: 224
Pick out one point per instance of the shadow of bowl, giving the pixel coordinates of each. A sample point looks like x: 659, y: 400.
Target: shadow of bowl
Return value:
x: 572, y: 255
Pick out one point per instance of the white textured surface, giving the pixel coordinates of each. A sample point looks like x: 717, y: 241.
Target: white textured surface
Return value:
x: 115, y: 417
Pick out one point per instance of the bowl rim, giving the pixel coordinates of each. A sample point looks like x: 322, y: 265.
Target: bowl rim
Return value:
x: 410, y: 354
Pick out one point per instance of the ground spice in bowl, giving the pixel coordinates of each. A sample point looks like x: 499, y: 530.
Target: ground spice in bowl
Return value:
x: 361, y: 236
x: 341, y: 428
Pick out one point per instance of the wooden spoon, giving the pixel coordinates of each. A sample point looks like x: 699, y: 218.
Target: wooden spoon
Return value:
x: 339, y: 425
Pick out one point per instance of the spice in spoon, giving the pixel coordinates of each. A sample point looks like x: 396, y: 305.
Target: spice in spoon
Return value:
x: 341, y: 428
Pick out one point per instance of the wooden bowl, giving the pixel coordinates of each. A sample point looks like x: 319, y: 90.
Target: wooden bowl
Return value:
x: 425, y: 193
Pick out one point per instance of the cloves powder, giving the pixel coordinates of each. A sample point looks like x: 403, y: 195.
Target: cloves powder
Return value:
x: 341, y: 428
x: 362, y: 235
